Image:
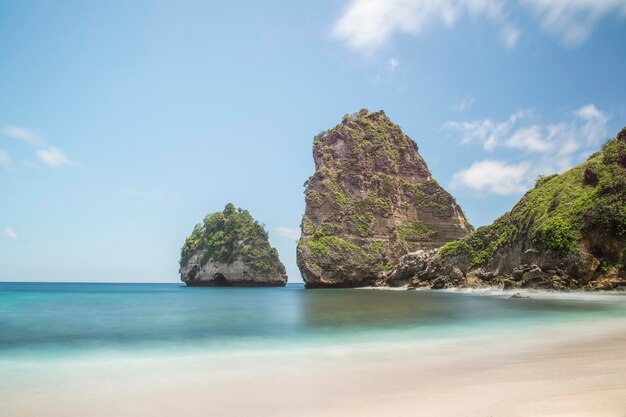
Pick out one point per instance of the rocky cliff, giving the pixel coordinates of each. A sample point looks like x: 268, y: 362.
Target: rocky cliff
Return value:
x: 371, y: 200
x: 568, y: 232
x: 230, y: 248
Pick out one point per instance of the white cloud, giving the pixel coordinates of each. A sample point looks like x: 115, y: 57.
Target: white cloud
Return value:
x: 465, y: 104
x: 529, y: 139
x: 25, y: 135
x: 573, y: 21
x: 492, y: 176
x: 367, y: 24
x: 486, y: 131
x: 510, y: 36
x: 288, y: 232
x: 53, y: 157
x: 10, y: 233
x: 5, y: 159
x: 392, y: 64
x: 589, y: 112
x: 30, y: 164
x: 595, y: 122
x: 587, y: 128
x: 555, y: 147
x: 49, y: 155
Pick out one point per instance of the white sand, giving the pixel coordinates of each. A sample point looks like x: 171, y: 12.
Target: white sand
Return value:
x: 558, y: 371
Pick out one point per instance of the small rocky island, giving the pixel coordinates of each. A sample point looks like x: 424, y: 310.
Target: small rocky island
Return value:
x: 371, y: 200
x: 230, y: 249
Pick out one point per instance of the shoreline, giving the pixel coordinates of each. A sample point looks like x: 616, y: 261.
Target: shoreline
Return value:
x: 560, y: 369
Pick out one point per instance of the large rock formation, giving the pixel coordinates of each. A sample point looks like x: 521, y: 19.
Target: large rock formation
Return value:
x: 229, y: 249
x: 371, y: 200
x: 569, y: 232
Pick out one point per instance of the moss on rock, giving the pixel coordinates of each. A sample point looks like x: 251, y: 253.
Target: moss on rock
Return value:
x: 371, y: 199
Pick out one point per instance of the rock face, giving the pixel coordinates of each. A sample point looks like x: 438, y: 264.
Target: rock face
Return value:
x: 371, y: 200
x: 569, y: 232
x: 229, y: 249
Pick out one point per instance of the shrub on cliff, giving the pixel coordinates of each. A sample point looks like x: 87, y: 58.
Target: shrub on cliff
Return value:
x: 226, y: 235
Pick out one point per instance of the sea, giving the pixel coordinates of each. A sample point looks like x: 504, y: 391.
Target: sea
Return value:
x: 73, y: 320
x: 78, y: 349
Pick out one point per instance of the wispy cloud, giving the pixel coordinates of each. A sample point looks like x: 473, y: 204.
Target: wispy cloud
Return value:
x: 50, y: 155
x: 392, y: 64
x: 530, y: 139
x: 539, y: 148
x: 464, y: 104
x: 510, y: 36
x: 288, y: 232
x: 53, y: 157
x: 25, y: 135
x: 5, y: 159
x: 366, y: 25
x: 10, y: 233
x: 573, y: 21
x: 492, y: 176
x: 30, y: 164
x: 486, y: 131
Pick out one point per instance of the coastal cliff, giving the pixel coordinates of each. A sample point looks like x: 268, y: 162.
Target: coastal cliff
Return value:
x: 371, y: 200
x: 569, y: 232
x: 230, y: 248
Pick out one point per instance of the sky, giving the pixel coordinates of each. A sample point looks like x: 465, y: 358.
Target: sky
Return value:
x: 123, y: 123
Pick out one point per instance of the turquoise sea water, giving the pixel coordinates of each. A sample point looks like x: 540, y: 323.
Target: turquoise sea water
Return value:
x: 72, y: 319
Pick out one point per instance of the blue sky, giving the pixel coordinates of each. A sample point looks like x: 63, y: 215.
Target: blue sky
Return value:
x: 123, y: 123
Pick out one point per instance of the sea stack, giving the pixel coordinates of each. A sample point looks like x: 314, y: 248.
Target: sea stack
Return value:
x: 371, y: 200
x: 230, y: 249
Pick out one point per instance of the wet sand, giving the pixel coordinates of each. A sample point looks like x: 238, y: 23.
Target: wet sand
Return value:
x: 561, y: 370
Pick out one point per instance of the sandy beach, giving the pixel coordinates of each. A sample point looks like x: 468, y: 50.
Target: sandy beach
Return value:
x: 562, y: 370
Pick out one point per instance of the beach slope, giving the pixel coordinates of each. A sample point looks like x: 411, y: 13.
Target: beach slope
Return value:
x: 557, y: 370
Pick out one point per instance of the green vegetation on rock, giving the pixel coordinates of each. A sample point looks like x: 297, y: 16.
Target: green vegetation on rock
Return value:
x: 385, y: 267
x: 369, y: 134
x: 416, y: 230
x: 376, y: 146
x: 226, y: 235
x: 325, y: 244
x: 562, y: 212
x: 376, y: 247
x: 370, y: 178
x: 542, y: 179
x: 362, y: 223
